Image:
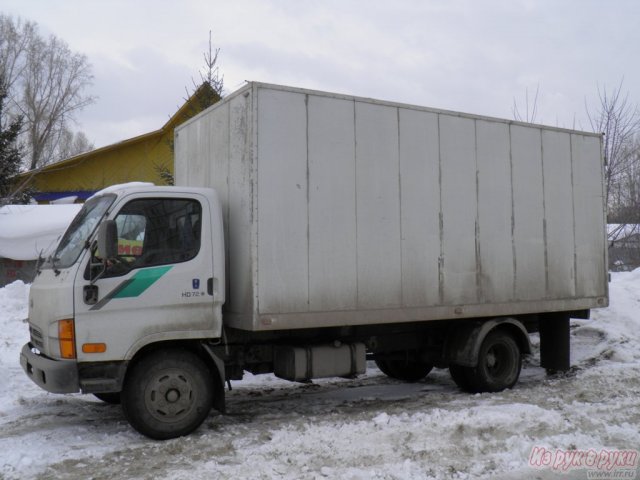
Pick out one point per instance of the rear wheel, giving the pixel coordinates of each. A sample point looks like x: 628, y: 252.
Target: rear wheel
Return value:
x: 112, y: 397
x: 499, y: 364
x: 168, y: 394
x: 406, y: 369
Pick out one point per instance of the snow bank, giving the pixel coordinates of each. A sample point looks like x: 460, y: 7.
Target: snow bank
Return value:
x: 14, y: 332
x: 617, y: 328
x: 27, y: 230
x: 13, y: 329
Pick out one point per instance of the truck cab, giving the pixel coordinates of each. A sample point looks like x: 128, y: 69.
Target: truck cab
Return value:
x: 90, y: 314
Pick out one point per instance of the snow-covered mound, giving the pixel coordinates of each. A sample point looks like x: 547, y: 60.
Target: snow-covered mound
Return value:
x: 28, y: 230
x: 13, y: 327
x: 371, y: 427
x: 617, y: 328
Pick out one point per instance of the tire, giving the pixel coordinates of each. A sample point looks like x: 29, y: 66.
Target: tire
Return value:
x: 112, y: 398
x: 498, y: 368
x: 168, y: 394
x: 407, y: 370
x: 461, y: 377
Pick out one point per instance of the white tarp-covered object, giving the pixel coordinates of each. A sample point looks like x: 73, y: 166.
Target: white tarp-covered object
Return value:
x: 29, y: 230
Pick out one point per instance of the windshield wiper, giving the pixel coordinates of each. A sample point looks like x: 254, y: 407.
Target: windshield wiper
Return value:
x: 39, y: 263
x: 55, y: 259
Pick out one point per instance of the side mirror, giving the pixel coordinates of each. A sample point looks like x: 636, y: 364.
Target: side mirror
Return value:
x: 108, y: 239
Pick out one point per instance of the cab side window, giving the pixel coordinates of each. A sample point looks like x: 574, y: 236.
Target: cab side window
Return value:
x: 156, y: 231
x: 131, y: 230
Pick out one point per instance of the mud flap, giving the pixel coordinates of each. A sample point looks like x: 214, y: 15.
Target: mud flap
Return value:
x: 554, y: 342
x: 218, y: 379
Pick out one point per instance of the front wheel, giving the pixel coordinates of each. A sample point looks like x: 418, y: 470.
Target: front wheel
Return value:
x: 168, y: 394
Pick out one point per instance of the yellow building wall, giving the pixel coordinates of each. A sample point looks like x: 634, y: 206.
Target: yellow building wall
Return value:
x: 120, y: 163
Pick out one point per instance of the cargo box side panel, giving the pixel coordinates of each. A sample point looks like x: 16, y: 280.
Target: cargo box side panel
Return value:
x: 332, y: 204
x: 588, y: 198
x: 240, y: 206
x: 558, y: 201
x: 378, y: 206
x: 459, y: 210
x: 347, y: 211
x: 214, y: 150
x: 215, y: 125
x: 181, y: 150
x: 528, y: 213
x: 192, y: 150
x: 420, y: 207
x: 283, y: 261
x: 495, y: 208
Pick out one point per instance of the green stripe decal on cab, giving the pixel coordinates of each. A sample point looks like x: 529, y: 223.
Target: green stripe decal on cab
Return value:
x: 141, y: 281
x: 134, y: 286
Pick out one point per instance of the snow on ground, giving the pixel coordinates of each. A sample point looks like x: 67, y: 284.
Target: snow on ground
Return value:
x: 372, y: 427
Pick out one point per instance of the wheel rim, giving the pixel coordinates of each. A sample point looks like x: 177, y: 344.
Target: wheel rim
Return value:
x: 170, y: 396
x: 497, y: 360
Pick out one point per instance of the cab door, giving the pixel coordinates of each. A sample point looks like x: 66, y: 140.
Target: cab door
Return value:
x: 157, y: 287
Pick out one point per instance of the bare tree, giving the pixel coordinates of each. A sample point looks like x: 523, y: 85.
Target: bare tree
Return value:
x: 619, y: 120
x: 530, y: 108
x: 54, y: 78
x: 15, y: 38
x: 46, y: 82
x: 71, y: 144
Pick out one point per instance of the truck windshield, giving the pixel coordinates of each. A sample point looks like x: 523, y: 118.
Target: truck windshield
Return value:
x: 80, y: 230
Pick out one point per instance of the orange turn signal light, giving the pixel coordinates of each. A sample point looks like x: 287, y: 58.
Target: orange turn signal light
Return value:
x: 67, y: 338
x: 94, y: 347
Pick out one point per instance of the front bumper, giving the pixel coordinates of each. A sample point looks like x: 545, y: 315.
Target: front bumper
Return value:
x: 55, y: 376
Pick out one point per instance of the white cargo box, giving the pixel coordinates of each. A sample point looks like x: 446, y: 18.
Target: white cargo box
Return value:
x: 341, y: 210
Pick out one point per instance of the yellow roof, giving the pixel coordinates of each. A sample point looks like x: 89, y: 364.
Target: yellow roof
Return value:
x: 180, y: 116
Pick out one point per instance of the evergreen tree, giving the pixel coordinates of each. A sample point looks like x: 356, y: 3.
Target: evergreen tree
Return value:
x: 10, y: 157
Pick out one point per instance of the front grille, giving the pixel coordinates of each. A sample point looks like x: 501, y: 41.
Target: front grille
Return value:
x: 36, y: 337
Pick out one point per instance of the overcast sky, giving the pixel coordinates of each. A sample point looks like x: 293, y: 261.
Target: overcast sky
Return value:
x: 474, y: 56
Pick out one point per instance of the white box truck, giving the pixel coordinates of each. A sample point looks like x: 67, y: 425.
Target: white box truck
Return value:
x: 309, y: 232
